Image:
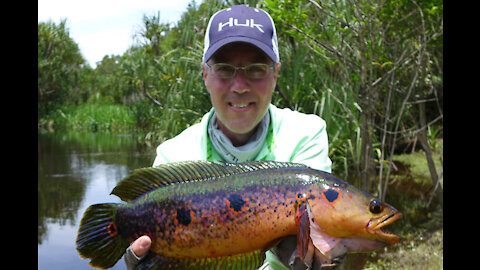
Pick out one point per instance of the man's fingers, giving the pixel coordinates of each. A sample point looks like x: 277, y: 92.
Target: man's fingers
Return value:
x: 141, y: 246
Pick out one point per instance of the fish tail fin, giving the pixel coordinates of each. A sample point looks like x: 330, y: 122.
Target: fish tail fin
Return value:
x: 98, y: 237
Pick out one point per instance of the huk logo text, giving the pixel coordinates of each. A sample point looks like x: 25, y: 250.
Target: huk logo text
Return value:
x: 234, y: 22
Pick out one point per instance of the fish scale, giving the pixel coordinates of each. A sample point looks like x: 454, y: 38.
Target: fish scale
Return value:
x: 211, y: 215
x: 201, y: 215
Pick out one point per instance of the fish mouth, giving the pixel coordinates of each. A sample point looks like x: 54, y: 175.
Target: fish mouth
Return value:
x: 375, y: 227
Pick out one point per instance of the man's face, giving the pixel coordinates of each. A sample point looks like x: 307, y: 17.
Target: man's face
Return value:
x: 240, y: 102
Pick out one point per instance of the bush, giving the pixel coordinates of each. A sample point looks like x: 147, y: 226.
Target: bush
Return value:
x: 92, y: 117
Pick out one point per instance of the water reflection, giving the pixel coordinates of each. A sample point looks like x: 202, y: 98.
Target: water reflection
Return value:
x: 76, y: 170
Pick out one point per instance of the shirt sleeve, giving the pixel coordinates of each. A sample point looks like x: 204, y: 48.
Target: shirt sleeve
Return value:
x: 312, y: 149
x: 160, y: 158
x: 190, y: 144
x: 302, y: 138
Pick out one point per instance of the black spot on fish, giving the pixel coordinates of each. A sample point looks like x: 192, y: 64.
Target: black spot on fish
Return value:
x: 331, y: 194
x: 236, y: 202
x: 112, y: 229
x: 183, y: 216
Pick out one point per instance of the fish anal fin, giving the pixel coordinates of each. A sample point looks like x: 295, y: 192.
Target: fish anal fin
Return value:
x: 245, y: 261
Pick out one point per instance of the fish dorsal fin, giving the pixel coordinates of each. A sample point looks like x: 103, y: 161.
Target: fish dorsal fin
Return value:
x: 251, y: 166
x: 144, y: 180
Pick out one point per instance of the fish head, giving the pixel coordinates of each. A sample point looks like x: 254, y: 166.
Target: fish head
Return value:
x: 340, y: 210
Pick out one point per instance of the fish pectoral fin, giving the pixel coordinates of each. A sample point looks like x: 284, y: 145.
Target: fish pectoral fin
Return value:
x: 297, y: 262
x: 313, y: 245
x: 329, y: 246
x: 303, y: 230
x: 322, y: 241
x: 251, y: 260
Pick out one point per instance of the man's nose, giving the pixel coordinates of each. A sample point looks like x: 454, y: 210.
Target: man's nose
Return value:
x: 240, y: 82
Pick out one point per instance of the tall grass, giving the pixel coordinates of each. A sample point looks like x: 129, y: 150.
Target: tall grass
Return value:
x: 91, y: 117
x: 307, y: 85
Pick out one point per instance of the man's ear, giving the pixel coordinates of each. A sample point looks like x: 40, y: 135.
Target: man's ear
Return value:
x: 204, y: 69
x: 205, y: 75
x: 277, y: 70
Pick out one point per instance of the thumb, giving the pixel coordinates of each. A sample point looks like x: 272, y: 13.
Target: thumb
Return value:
x: 141, y: 246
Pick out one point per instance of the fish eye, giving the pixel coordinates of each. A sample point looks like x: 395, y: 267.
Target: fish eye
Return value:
x: 376, y: 207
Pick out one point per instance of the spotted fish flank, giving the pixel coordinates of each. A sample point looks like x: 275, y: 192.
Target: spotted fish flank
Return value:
x: 203, y: 215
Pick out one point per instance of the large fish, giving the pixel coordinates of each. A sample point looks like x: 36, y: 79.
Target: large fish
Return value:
x: 203, y: 215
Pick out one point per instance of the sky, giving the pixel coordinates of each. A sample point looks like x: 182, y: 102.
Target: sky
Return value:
x: 106, y: 27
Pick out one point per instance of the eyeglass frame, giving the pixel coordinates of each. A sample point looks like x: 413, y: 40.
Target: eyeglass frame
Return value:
x: 271, y: 66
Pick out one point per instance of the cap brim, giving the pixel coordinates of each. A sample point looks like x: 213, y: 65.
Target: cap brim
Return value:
x: 219, y: 44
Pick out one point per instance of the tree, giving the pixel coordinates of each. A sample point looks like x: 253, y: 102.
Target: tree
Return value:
x: 59, y: 65
x: 368, y: 53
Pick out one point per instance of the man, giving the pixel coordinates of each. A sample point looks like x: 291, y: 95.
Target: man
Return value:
x: 240, y: 69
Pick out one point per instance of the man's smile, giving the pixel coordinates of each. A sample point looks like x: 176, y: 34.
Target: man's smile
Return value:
x: 240, y: 106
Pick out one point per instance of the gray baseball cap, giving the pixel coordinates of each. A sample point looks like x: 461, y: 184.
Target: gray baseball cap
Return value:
x: 241, y: 24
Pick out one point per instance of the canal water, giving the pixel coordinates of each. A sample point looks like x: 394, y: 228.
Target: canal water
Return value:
x: 76, y: 170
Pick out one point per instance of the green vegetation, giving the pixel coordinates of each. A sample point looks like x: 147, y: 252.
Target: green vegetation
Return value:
x: 372, y: 69
x: 417, y: 165
x: 425, y: 252
x: 92, y: 117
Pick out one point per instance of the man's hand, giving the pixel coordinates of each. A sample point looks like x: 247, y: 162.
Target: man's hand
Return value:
x: 137, y: 251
